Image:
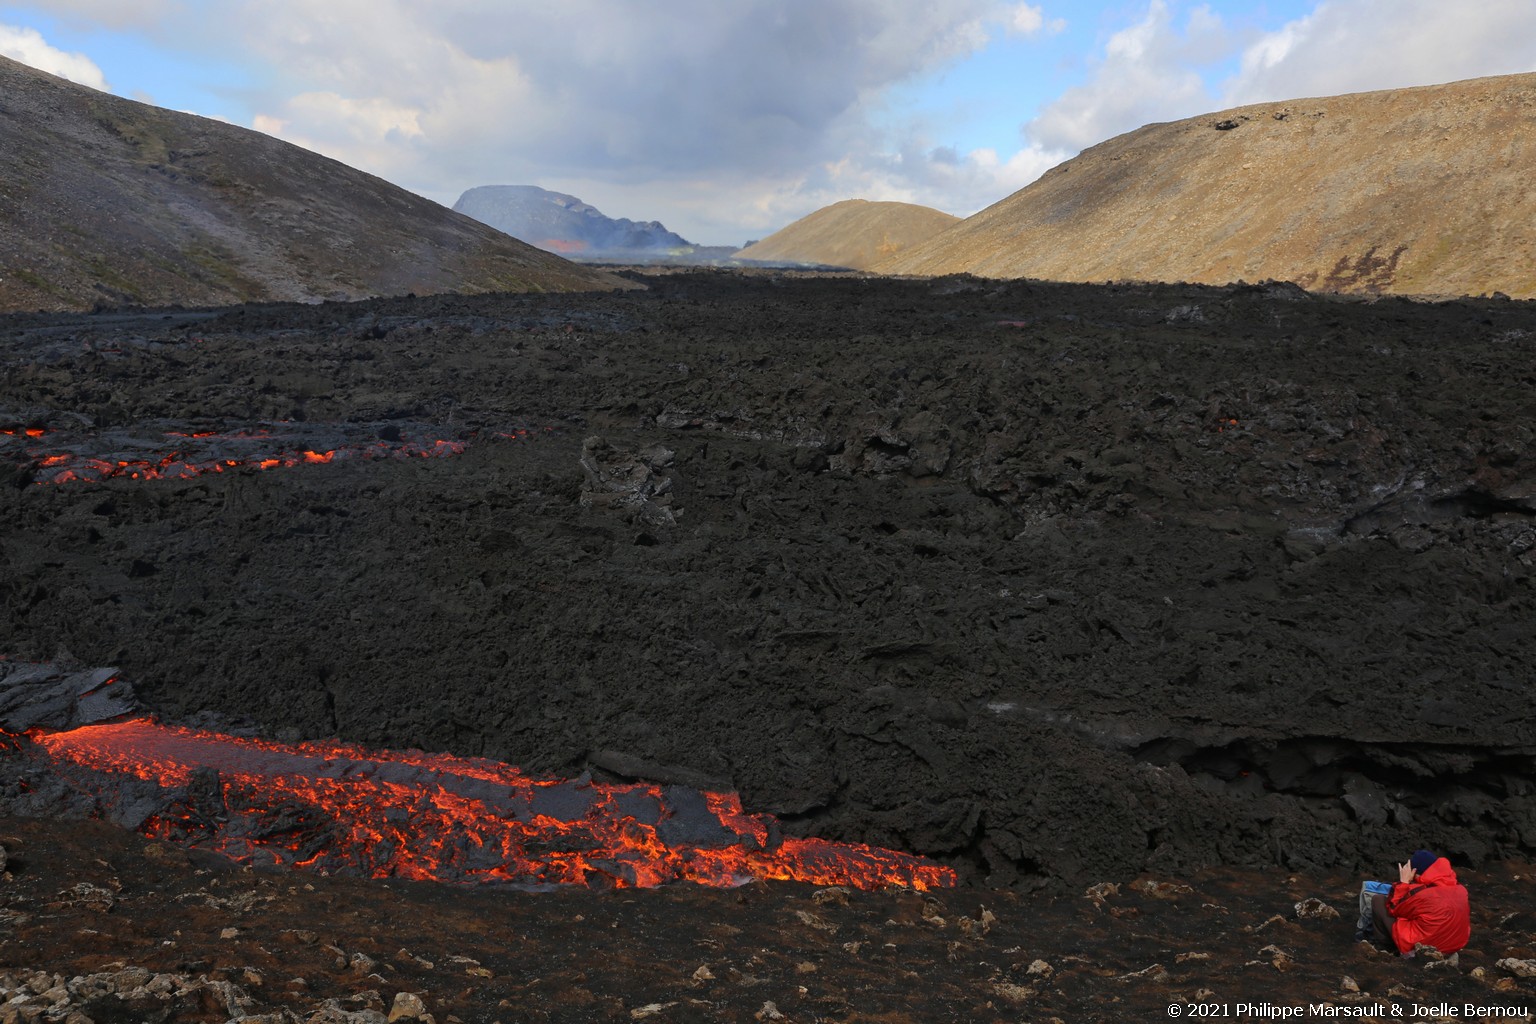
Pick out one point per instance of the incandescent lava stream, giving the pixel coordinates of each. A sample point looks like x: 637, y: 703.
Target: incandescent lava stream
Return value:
x: 344, y: 809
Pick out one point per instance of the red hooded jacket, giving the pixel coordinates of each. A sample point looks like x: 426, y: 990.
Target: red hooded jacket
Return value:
x: 1431, y: 909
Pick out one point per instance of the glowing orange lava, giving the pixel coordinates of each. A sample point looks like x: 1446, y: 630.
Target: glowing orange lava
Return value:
x: 407, y: 814
x: 64, y: 468
x: 138, y: 454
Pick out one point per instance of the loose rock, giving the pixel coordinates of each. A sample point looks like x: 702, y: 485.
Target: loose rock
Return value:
x: 1519, y: 968
x: 407, y: 1006
x: 1314, y: 909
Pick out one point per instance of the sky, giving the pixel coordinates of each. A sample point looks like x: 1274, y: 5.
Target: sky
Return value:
x: 728, y: 119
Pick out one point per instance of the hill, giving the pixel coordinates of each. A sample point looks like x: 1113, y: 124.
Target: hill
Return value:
x: 109, y: 200
x: 1410, y: 191
x: 854, y: 233
x: 563, y: 224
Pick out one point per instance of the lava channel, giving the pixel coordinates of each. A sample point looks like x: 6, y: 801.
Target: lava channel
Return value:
x: 66, y: 468
x: 161, y: 454
x: 345, y: 809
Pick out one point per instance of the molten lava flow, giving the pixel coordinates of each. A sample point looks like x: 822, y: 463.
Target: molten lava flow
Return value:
x: 137, y: 453
x: 66, y: 468
x: 407, y: 814
x: 156, y: 453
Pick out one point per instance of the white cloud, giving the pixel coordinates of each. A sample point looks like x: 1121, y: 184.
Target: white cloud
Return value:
x: 724, y: 118
x: 365, y: 133
x: 1358, y: 45
x: 117, y: 13
x: 628, y: 99
x: 29, y: 47
x: 1156, y: 69
x: 688, y: 86
x: 958, y: 183
x: 1153, y: 70
x: 779, y: 105
x: 1030, y: 20
x: 732, y: 210
x: 1026, y: 20
x: 1149, y: 72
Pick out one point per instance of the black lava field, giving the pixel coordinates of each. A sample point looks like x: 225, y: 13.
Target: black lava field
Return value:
x: 1049, y: 583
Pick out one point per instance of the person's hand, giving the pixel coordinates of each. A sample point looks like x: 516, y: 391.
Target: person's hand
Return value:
x: 1405, y: 873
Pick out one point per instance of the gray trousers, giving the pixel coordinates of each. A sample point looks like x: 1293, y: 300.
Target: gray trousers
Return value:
x: 1367, y: 918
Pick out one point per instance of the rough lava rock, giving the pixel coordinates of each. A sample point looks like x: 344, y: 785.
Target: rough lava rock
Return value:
x: 46, y: 696
x: 1058, y: 583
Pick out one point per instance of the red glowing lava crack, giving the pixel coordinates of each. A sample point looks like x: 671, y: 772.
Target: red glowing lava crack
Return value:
x: 145, y: 453
x: 379, y: 813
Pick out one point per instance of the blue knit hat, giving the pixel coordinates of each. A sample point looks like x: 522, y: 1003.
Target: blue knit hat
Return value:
x: 1421, y: 860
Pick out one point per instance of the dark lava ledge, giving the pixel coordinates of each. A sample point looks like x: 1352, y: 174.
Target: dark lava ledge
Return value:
x: 1056, y: 584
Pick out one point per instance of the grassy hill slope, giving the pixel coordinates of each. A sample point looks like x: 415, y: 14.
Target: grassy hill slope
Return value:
x: 854, y: 233
x: 1411, y: 191
x: 104, y: 199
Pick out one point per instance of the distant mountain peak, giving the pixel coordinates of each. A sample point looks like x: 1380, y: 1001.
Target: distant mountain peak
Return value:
x: 561, y: 223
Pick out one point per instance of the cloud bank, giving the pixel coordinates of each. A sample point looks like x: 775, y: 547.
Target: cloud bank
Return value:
x: 29, y: 47
x: 770, y: 104
x: 726, y: 121
x: 1361, y: 45
x: 1149, y: 72
x: 1160, y: 68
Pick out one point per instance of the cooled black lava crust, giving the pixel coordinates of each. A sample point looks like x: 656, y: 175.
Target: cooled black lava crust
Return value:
x: 1051, y: 582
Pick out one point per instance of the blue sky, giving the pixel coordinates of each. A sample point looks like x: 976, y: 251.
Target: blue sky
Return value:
x: 726, y: 119
x: 140, y: 68
x: 982, y: 100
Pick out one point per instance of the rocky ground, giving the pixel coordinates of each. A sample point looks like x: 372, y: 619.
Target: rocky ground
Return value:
x: 1061, y: 585
x: 100, y: 924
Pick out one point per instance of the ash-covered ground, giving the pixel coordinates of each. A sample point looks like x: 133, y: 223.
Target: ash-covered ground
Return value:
x: 1185, y: 605
x: 1056, y: 584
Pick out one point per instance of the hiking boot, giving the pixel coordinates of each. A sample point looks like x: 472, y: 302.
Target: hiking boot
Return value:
x: 1365, y: 934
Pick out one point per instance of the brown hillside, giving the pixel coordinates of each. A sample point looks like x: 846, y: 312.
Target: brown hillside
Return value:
x: 853, y: 233
x: 1412, y: 191
x: 105, y: 199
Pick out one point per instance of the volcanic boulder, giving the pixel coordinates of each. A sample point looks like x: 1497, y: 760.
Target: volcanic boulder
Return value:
x: 632, y: 481
x: 46, y: 696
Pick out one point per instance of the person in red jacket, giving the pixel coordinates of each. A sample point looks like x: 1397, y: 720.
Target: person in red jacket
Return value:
x: 1427, y: 906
